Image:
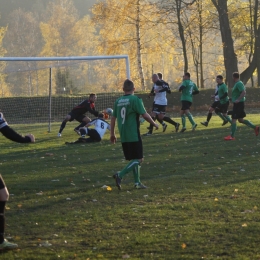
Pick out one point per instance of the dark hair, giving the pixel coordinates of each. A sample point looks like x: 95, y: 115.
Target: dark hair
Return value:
x: 92, y: 95
x: 160, y: 75
x: 101, y: 115
x: 128, y: 85
x: 236, y: 75
x: 219, y: 77
x: 187, y: 74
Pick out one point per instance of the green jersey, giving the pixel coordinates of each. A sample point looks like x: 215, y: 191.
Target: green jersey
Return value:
x: 222, y: 89
x: 189, y: 86
x: 127, y: 110
x: 236, y: 91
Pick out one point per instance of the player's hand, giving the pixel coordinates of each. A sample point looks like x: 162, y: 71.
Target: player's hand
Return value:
x: 113, y: 139
x: 156, y: 126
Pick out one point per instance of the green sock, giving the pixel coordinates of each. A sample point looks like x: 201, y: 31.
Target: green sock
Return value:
x: 228, y: 119
x: 189, y: 115
x: 183, y: 120
x: 249, y: 124
x: 130, y: 166
x: 136, y: 171
x: 221, y: 116
x: 233, y: 129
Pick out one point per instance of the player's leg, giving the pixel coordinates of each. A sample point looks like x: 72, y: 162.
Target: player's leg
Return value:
x: 83, y: 121
x: 236, y: 114
x: 224, y: 111
x: 169, y: 120
x: 183, y: 120
x: 153, y: 116
x: 249, y: 124
x: 64, y: 122
x: 164, y: 126
x: 4, y: 195
x: 10, y: 134
x: 210, y: 111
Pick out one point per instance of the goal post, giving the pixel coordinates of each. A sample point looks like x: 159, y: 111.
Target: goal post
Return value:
x: 53, y: 100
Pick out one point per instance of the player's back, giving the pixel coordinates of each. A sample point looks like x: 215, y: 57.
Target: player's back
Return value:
x: 101, y: 126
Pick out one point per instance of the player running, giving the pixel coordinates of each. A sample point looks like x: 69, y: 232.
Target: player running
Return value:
x: 78, y: 113
x: 159, y: 91
x: 238, y: 113
x: 221, y: 103
x: 127, y: 110
x: 188, y: 89
x: 9, y: 133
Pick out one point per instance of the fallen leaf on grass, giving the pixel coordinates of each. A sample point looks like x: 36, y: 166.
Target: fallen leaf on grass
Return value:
x: 68, y: 198
x: 183, y: 246
x: 244, y: 225
x: 236, y: 190
x: 216, y: 199
x: 125, y: 256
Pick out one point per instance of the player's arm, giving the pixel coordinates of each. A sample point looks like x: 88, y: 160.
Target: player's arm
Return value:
x: 243, y: 93
x: 112, y: 129
x: 195, y: 90
x: 224, y: 96
x: 181, y: 88
x: 152, y: 93
x: 165, y: 86
x: 148, y: 118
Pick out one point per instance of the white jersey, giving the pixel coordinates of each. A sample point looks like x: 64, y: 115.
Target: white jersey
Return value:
x: 160, y: 97
x: 216, y: 93
x: 100, y: 126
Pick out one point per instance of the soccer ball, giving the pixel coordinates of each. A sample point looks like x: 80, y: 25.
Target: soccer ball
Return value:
x: 109, y: 111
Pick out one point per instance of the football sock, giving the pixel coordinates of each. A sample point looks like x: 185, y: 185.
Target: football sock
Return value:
x: 228, y: 119
x: 233, y: 129
x: 9, y: 133
x: 2, y: 221
x: 130, y: 166
x: 63, y: 124
x: 221, y: 116
x: 183, y: 120
x: 81, y: 125
x: 136, y: 171
x: 209, y: 116
x: 189, y: 115
x: 249, y: 124
x: 83, y: 131
x: 160, y: 121
x: 169, y: 120
x: 151, y: 126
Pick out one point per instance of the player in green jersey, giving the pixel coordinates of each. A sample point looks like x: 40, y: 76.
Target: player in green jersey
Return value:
x: 127, y: 110
x: 238, y: 113
x: 188, y: 89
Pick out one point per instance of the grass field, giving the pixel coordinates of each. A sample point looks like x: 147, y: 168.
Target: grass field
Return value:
x: 202, y: 202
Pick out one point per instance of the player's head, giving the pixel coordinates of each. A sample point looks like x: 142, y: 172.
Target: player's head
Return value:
x: 128, y: 86
x: 160, y: 75
x: 155, y: 78
x: 236, y: 76
x: 186, y: 75
x: 219, y: 79
x: 92, y: 97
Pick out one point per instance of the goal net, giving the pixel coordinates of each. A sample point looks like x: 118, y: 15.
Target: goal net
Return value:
x: 44, y: 90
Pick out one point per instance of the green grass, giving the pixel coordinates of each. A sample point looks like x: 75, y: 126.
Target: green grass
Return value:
x: 202, y: 202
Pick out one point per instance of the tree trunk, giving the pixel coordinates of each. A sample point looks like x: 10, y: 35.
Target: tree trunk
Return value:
x: 138, y: 40
x: 201, y: 44
x: 230, y: 58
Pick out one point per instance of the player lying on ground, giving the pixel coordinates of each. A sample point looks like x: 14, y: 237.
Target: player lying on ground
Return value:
x: 78, y: 113
x: 127, y: 110
x: 96, y: 134
x: 221, y: 102
x: 9, y: 133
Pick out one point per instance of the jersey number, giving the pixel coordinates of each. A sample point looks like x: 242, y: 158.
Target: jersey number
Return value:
x: 102, y: 125
x: 123, y: 112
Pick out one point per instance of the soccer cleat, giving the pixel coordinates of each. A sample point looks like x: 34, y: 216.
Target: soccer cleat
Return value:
x: 164, y: 127
x: 140, y: 186
x: 77, y: 131
x: 183, y: 130
x: 7, y: 245
x: 256, y: 130
x: 147, y: 134
x: 177, y: 127
x: 194, y: 127
x: 59, y: 134
x: 224, y: 122
x: 118, y: 180
x: 229, y: 138
x: 206, y: 123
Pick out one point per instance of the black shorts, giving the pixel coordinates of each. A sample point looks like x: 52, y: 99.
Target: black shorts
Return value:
x: 2, y: 183
x: 159, y: 109
x: 74, y: 116
x: 222, y: 108
x: 185, y: 105
x: 238, y: 110
x: 215, y: 104
x: 133, y: 150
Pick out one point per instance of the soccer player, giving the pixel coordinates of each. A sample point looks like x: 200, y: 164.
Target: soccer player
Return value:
x: 238, y: 113
x: 78, y: 113
x: 188, y: 89
x: 127, y: 110
x: 159, y: 91
x: 221, y: 103
x: 9, y: 133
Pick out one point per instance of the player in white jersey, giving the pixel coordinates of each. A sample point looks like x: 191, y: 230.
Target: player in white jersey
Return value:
x: 159, y: 91
x: 214, y: 105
